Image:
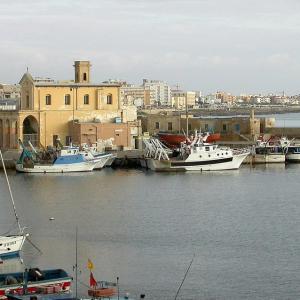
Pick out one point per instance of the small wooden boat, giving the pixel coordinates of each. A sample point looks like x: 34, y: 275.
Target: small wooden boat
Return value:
x: 34, y: 279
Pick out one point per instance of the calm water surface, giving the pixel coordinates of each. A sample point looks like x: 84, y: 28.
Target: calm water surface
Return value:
x: 243, y: 227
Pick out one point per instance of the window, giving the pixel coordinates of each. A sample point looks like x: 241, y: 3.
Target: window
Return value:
x: 170, y: 125
x: 48, y: 99
x: 237, y: 128
x: 27, y: 101
x: 68, y: 140
x: 109, y: 99
x: 224, y: 127
x: 84, y: 76
x: 190, y: 127
x: 67, y: 99
x: 206, y: 127
x: 156, y: 125
x: 86, y: 99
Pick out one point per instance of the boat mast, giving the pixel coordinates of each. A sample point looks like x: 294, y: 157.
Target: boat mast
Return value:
x: 11, y: 196
x: 186, y: 117
x: 76, y: 263
x: 187, y: 271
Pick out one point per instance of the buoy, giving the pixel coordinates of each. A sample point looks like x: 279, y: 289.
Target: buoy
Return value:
x: 51, y: 219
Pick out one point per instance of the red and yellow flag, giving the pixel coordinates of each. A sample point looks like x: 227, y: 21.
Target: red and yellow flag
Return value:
x: 93, y: 282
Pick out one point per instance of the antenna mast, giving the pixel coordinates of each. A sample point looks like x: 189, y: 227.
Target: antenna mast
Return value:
x: 10, y: 193
x: 188, y: 269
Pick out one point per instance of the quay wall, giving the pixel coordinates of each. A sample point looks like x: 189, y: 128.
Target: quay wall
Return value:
x: 281, y: 131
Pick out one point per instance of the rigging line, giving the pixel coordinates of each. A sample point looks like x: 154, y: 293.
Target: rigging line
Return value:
x: 11, y: 196
x: 84, y: 284
x: 188, y: 269
x: 33, y: 245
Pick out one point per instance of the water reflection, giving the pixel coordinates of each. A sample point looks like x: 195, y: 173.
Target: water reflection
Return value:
x: 12, y: 265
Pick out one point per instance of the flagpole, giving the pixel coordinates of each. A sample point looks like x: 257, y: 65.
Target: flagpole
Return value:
x: 118, y: 288
x: 76, y: 264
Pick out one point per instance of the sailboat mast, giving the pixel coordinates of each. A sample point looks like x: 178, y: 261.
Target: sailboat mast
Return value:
x: 76, y: 263
x: 11, y: 196
x: 186, y: 116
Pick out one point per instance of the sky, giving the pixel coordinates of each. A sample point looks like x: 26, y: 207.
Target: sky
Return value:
x: 238, y: 46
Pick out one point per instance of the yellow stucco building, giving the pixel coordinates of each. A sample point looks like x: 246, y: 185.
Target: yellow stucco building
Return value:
x: 49, y: 108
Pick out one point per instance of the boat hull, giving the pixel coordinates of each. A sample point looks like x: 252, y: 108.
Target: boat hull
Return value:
x: 102, y: 160
x: 64, y: 282
x: 293, y: 157
x: 110, y: 161
x: 268, y: 158
x: 10, y: 246
x: 231, y: 163
x: 59, y: 168
x: 171, y: 139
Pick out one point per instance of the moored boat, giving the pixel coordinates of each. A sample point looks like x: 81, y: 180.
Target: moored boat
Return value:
x: 11, y: 245
x: 196, y: 156
x: 104, y: 159
x: 64, y: 161
x: 34, y: 279
x: 293, y: 153
x: 272, y: 150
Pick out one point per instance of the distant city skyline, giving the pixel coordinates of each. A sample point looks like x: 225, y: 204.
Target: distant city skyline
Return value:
x: 236, y: 46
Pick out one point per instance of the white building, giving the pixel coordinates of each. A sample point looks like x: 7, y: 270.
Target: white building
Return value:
x: 159, y: 92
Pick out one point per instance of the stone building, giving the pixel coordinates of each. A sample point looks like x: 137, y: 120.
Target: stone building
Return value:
x: 48, y: 109
x: 231, y: 128
x: 9, y: 91
x: 181, y: 98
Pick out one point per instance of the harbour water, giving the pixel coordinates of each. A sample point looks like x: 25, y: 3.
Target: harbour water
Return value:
x: 243, y: 227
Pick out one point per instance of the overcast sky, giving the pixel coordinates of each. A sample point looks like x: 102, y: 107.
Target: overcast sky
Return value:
x: 208, y: 45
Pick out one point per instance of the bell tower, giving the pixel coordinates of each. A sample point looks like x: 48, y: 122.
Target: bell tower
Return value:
x: 82, y: 71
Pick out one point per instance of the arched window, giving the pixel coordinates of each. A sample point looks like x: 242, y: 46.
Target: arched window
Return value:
x: 48, y: 99
x: 109, y: 99
x: 67, y: 99
x: 86, y: 99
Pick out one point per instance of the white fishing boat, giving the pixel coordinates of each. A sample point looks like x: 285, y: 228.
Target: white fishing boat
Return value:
x: 104, y: 159
x: 196, y: 156
x: 293, y: 153
x: 62, y: 162
x: 271, y: 150
x: 11, y: 244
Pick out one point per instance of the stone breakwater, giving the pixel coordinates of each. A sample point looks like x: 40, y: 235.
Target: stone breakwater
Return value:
x: 246, y: 111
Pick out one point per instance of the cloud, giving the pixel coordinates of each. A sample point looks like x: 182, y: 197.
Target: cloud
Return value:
x: 176, y: 40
